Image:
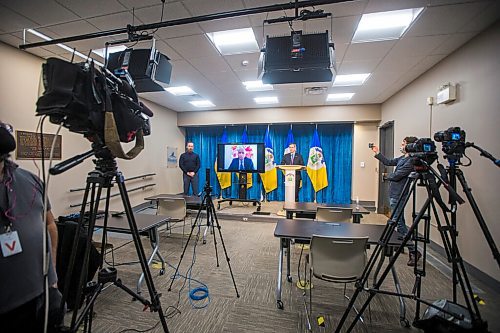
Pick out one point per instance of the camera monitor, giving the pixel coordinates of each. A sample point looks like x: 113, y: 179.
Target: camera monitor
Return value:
x: 240, y: 157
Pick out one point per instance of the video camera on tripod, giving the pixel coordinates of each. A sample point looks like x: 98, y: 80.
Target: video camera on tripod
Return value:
x: 423, y: 149
x: 453, y: 141
x: 96, y: 103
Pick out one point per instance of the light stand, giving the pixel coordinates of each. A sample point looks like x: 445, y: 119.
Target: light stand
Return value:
x: 212, y: 221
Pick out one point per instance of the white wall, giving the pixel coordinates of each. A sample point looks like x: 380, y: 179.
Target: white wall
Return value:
x: 364, y: 178
x: 19, y: 92
x: 475, y: 68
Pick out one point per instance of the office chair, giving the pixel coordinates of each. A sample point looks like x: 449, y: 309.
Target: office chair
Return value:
x: 337, y: 260
x: 333, y: 214
x: 175, y: 209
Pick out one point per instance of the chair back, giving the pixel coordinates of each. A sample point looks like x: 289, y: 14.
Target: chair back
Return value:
x: 175, y: 208
x: 338, y: 259
x: 333, y: 214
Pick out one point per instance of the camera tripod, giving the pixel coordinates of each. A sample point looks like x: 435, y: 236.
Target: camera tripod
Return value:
x: 101, y: 178
x: 212, y: 222
x: 426, y: 177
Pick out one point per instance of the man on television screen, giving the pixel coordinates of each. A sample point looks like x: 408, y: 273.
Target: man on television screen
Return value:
x: 294, y: 158
x: 241, y: 163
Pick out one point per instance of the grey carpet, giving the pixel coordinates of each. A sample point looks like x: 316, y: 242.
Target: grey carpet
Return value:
x: 253, y: 253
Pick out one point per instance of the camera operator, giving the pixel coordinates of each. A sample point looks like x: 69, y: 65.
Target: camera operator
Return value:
x: 397, y: 180
x: 22, y: 297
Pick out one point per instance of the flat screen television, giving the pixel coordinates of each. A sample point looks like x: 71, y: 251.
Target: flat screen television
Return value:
x: 240, y: 157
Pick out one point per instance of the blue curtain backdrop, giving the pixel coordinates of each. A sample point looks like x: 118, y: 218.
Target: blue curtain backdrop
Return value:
x: 336, y: 141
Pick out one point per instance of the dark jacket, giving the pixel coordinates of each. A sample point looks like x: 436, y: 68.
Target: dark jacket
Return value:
x: 189, y: 162
x: 397, y: 179
x: 297, y: 160
x: 247, y: 164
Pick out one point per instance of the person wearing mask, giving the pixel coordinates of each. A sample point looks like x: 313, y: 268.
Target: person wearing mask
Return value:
x: 294, y: 158
x: 189, y: 162
x: 22, y: 281
x: 397, y: 181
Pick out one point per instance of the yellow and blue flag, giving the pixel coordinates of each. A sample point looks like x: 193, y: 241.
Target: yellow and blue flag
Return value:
x: 316, y: 166
x: 269, y: 177
x: 223, y: 177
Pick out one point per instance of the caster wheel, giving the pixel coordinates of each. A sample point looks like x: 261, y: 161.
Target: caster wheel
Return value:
x: 279, y: 304
x: 289, y: 278
x: 204, y: 241
x: 162, y: 271
x: 258, y: 209
x: 404, y: 322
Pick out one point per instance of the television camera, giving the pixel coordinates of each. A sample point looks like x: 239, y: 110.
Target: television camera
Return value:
x: 424, y: 149
x: 453, y: 141
x: 95, y: 103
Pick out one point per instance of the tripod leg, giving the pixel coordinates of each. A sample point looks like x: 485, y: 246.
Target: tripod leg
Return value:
x: 209, y: 202
x: 196, y: 222
x: 479, y: 216
x: 210, y: 220
x: 155, y: 297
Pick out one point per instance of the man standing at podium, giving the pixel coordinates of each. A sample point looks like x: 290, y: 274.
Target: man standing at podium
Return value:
x: 294, y: 158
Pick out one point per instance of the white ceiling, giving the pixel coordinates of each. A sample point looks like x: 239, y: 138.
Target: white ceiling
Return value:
x: 443, y: 26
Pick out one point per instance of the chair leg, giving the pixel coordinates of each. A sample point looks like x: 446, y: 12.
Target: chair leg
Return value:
x: 183, y: 227
x: 308, y: 313
x: 353, y: 306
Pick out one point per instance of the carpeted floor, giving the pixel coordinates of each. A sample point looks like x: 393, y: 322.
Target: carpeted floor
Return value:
x: 253, y: 253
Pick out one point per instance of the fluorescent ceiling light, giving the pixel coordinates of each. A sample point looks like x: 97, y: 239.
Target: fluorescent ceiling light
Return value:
x: 181, y: 91
x: 339, y: 97
x: 350, y: 79
x: 202, y: 103
x: 111, y: 49
x: 64, y: 47
x: 266, y: 100
x: 257, y: 86
x: 234, y: 41
x: 384, y: 25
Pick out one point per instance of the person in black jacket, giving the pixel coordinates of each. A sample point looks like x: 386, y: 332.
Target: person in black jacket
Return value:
x: 189, y: 162
x: 397, y: 181
x: 241, y: 163
x: 294, y: 158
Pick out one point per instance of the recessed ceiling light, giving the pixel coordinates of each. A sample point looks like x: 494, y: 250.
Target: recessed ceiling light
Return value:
x: 384, y: 25
x: 181, y: 91
x: 257, y: 86
x: 111, y: 49
x: 64, y: 47
x: 339, y: 97
x: 350, y: 79
x: 234, y: 41
x: 204, y: 103
x: 266, y: 100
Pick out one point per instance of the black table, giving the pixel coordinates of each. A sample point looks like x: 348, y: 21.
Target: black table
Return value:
x: 146, y: 224
x: 309, y: 209
x: 288, y: 229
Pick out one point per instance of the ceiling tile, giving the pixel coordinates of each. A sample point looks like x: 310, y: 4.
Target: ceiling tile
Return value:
x: 114, y: 21
x: 247, y: 75
x: 225, y: 24
x: 389, y: 5
x: 139, y: 3
x: 11, y: 21
x: 428, y: 62
x: 72, y: 29
x: 453, y: 42
x: 42, y: 12
x: 91, y: 8
x: 366, y: 51
x: 203, y: 7
x: 192, y: 47
x: 398, y: 64
x: 167, y: 50
x: 415, y: 46
x: 358, y: 66
x: 210, y: 65
x: 235, y: 61
x: 484, y: 19
x: 444, y: 19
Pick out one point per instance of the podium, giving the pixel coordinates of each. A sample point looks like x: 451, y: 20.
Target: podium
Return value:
x: 290, y: 180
